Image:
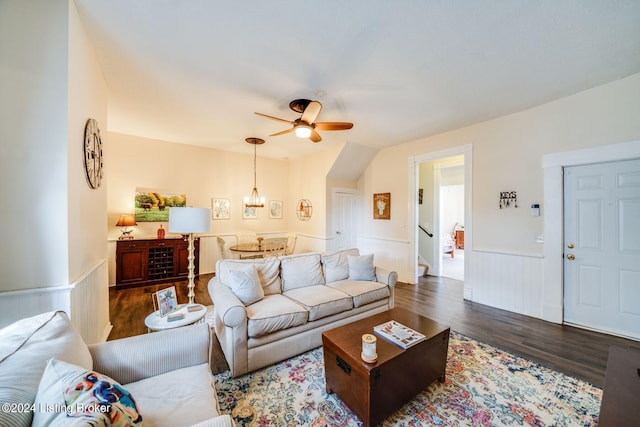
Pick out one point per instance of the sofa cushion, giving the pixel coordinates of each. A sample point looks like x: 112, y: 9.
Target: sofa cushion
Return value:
x: 245, y: 284
x: 363, y: 292
x: 336, y: 265
x: 321, y: 300
x: 25, y: 348
x: 268, y: 272
x: 273, y: 313
x: 361, y: 267
x: 73, y: 396
x: 301, y: 270
x: 178, y: 398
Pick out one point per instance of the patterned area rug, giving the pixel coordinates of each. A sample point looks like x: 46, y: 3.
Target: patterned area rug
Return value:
x: 484, y: 387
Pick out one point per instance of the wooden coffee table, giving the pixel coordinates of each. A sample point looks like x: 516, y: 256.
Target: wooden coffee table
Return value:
x: 373, y: 391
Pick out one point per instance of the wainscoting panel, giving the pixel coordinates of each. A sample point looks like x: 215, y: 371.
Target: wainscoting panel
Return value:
x: 389, y: 254
x: 16, y: 305
x: 507, y: 281
x: 89, y: 304
x: 86, y: 301
x: 208, y: 254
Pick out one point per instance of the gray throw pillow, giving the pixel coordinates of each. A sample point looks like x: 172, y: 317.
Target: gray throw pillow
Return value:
x: 245, y: 284
x: 361, y: 267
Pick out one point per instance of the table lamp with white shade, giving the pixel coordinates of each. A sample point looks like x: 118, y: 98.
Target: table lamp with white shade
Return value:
x: 188, y: 221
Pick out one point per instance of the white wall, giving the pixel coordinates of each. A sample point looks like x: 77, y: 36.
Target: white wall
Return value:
x: 507, y: 155
x: 33, y: 156
x: 202, y: 174
x: 51, y: 84
x: 87, y: 207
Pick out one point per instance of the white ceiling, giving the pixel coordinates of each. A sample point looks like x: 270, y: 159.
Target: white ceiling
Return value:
x: 195, y: 71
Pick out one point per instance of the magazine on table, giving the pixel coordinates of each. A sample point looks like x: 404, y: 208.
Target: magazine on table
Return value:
x: 399, y: 334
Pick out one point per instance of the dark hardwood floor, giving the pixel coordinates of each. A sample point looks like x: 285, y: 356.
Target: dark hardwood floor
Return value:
x: 574, y: 351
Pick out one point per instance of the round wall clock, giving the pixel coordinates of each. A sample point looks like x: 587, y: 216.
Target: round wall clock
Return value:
x: 93, y: 153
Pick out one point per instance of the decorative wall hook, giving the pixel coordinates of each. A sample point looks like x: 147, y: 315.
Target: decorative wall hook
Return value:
x: 508, y: 198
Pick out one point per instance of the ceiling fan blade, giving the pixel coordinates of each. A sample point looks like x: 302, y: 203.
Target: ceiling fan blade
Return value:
x: 333, y: 125
x: 274, y: 118
x: 283, y: 132
x: 311, y: 112
x: 315, y: 136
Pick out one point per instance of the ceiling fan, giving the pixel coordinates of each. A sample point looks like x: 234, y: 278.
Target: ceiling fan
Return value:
x: 306, y: 126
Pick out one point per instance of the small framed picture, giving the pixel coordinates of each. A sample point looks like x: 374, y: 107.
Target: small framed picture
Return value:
x: 220, y: 208
x: 382, y: 206
x: 275, y: 209
x: 249, y: 212
x: 165, y: 301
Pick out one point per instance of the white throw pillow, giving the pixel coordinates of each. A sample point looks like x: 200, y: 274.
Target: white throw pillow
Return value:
x: 336, y: 265
x: 73, y: 396
x: 361, y: 267
x: 25, y: 348
x: 245, y: 284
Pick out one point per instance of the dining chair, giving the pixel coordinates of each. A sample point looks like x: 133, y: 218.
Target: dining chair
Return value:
x: 274, y: 246
x: 246, y: 237
x: 224, y: 252
x: 291, y: 243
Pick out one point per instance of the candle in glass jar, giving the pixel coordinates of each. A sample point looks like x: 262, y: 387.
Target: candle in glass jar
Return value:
x: 369, y: 348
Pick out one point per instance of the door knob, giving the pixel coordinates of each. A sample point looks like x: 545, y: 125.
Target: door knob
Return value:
x: 571, y: 257
x: 570, y: 246
x: 337, y: 232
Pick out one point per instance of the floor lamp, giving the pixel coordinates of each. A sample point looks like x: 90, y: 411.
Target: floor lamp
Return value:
x: 190, y: 221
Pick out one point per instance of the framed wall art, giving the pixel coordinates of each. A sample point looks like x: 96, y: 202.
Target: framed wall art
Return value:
x: 220, y: 208
x: 275, y: 209
x: 304, y: 209
x: 382, y: 206
x: 249, y: 212
x: 153, y: 206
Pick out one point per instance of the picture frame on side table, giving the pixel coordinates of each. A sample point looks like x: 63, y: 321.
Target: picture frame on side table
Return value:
x: 220, y: 208
x: 275, y: 209
x: 165, y: 301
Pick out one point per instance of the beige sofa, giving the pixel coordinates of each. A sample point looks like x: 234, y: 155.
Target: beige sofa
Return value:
x: 49, y: 376
x: 299, y: 297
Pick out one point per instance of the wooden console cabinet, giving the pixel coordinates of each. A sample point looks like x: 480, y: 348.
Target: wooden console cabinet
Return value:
x: 459, y: 239
x: 143, y: 262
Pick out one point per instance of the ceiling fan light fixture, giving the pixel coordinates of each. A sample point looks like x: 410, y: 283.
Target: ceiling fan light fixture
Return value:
x: 303, y: 130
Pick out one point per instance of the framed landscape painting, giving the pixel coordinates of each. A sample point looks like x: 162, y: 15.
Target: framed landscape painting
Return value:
x: 153, y: 206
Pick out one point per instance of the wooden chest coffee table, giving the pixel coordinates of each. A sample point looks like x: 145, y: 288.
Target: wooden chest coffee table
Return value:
x: 373, y: 391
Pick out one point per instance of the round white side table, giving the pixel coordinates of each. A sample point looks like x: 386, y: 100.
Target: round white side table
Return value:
x: 154, y: 322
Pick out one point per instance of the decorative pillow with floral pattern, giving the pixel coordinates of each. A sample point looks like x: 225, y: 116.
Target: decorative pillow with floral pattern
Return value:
x: 70, y: 395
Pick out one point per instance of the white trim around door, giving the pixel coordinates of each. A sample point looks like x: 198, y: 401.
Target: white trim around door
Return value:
x: 553, y: 164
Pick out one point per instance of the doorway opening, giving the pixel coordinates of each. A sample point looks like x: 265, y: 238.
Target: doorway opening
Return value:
x: 442, y: 215
x: 452, y: 222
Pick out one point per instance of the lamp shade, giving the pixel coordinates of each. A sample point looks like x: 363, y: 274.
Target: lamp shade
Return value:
x: 189, y: 220
x: 126, y: 221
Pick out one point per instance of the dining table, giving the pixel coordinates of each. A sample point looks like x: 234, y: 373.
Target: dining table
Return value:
x: 255, y: 250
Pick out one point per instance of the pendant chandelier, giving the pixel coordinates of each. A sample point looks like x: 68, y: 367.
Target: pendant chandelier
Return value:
x: 254, y: 201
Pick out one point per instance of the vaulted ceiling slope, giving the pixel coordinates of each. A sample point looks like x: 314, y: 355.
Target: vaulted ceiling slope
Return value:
x: 195, y: 71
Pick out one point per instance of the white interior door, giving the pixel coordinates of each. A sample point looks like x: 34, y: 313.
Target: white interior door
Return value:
x: 343, y: 220
x: 602, y: 247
